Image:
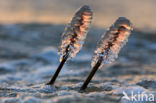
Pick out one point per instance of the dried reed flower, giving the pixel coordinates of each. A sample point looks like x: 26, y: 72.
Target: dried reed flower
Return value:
x: 109, y: 46
x: 112, y: 41
x: 73, y: 37
x: 75, y: 33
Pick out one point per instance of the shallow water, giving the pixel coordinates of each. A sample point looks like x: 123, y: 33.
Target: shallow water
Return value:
x: 28, y: 58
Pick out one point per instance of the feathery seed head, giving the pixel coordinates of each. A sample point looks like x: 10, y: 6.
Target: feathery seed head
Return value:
x: 75, y: 33
x: 113, y: 40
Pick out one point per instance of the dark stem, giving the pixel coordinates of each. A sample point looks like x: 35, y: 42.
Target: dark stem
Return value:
x: 90, y: 76
x: 52, y: 81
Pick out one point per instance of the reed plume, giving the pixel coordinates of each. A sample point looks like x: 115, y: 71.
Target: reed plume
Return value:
x: 73, y: 37
x: 109, y: 46
x: 75, y: 33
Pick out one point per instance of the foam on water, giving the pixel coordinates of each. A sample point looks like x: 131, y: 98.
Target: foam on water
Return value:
x: 23, y: 78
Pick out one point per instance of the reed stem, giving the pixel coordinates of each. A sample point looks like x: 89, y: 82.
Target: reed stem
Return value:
x: 90, y: 76
x: 52, y: 81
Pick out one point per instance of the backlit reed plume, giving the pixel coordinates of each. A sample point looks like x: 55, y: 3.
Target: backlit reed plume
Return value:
x: 73, y: 37
x: 109, y: 46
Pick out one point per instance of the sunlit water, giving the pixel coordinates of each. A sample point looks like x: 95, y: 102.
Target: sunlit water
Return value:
x: 140, y: 12
x: 28, y: 58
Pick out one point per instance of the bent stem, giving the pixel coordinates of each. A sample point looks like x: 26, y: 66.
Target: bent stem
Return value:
x: 52, y: 81
x: 90, y: 76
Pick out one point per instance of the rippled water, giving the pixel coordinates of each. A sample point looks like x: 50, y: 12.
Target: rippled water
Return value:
x: 28, y: 58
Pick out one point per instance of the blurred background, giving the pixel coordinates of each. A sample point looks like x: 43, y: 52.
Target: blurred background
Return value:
x: 142, y: 13
x: 30, y: 33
